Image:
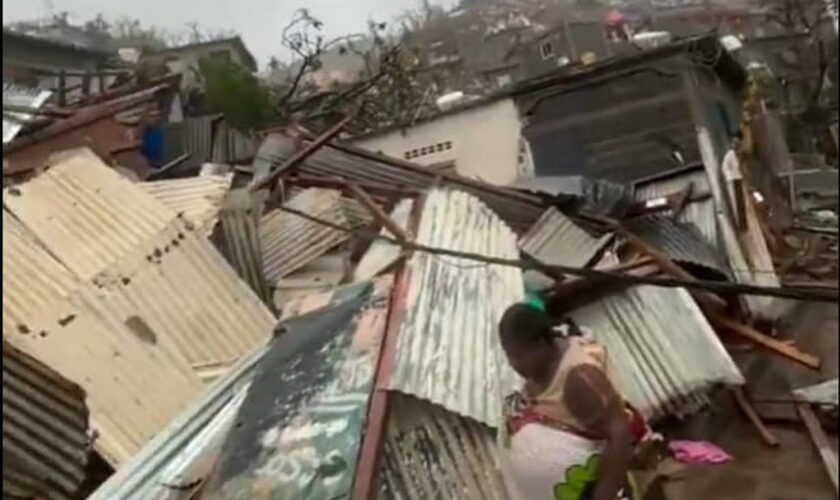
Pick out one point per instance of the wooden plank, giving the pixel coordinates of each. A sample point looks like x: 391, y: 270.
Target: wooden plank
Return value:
x: 377, y: 213
x: 378, y: 409
x: 821, y: 442
x: 776, y: 346
x: 767, y: 437
x: 301, y: 156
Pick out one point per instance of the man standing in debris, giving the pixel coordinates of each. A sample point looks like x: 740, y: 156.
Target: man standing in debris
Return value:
x: 568, y: 434
x: 731, y: 168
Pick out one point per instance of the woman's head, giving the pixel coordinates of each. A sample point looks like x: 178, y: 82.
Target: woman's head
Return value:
x: 525, y: 334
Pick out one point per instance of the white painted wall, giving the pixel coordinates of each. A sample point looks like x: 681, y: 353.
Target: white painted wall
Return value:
x: 483, y: 141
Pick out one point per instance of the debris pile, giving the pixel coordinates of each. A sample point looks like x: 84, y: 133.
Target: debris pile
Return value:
x: 308, y: 319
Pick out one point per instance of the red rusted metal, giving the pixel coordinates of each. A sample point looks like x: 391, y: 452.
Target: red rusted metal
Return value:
x: 102, y: 135
x: 377, y: 418
x: 91, y: 126
x: 372, y: 437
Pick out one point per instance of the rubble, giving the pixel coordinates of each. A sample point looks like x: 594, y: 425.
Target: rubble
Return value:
x: 309, y: 319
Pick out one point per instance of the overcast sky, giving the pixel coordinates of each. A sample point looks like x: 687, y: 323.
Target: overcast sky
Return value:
x: 258, y: 21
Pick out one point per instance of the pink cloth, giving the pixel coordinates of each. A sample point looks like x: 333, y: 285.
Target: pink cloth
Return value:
x: 698, y: 452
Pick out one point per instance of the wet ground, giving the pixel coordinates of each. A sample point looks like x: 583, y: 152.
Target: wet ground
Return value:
x: 792, y: 471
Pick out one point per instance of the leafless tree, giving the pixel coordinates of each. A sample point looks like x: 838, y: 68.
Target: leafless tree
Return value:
x: 811, y: 19
x: 387, y: 90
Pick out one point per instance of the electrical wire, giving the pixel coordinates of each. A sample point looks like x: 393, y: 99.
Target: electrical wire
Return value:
x: 810, y: 293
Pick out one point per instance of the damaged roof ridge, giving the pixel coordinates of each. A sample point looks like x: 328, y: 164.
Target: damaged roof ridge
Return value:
x: 82, y: 118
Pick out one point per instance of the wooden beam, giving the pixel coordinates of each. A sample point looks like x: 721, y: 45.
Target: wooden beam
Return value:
x: 339, y: 183
x: 665, y: 263
x: 301, y: 155
x: 577, y: 292
x: 373, y: 436
x: 821, y: 442
x: 45, y: 111
x: 773, y: 345
x: 377, y: 213
x: 767, y: 437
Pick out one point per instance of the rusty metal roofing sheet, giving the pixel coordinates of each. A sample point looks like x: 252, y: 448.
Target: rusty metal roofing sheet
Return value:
x: 197, y: 198
x: 299, y: 429
x: 664, y: 353
x: 447, y: 349
x: 45, y: 430
x: 86, y: 213
x: 519, y: 210
x: 15, y: 95
x: 555, y: 239
x: 289, y: 242
x: 701, y: 214
x: 38, y: 280
x: 32, y: 145
x: 682, y: 242
x: 232, y: 146
x: 141, y: 335
x: 240, y: 218
x: 432, y: 453
x: 188, y: 438
x: 182, y: 453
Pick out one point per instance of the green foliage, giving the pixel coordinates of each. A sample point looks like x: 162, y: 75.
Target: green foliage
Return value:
x: 231, y: 90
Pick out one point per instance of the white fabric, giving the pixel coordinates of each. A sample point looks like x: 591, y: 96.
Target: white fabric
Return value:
x: 731, y: 168
x: 538, y: 459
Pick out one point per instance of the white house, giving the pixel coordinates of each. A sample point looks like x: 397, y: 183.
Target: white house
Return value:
x: 482, y: 138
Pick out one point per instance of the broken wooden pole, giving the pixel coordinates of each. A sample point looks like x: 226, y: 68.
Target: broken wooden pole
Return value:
x: 773, y: 345
x: 821, y: 442
x: 301, y: 155
x: 377, y: 213
x: 767, y: 437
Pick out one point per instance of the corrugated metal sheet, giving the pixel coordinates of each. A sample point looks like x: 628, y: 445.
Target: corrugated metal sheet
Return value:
x: 240, y: 229
x: 682, y: 242
x: 183, y: 451
x: 663, y: 352
x: 556, y: 240
x: 197, y: 198
x: 432, y: 453
x: 381, y: 254
x: 232, y: 146
x: 825, y: 393
x: 448, y: 350
x: 194, y: 433
x: 14, y: 95
x: 153, y: 322
x: 45, y: 423
x: 519, y: 210
x: 192, y: 135
x: 299, y: 429
x: 319, y: 276
x: 597, y: 195
x: 289, y: 242
x: 39, y: 281
x: 701, y: 214
x: 357, y: 215
x: 86, y: 214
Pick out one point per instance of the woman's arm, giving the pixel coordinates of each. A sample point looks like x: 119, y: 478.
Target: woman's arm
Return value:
x: 592, y: 400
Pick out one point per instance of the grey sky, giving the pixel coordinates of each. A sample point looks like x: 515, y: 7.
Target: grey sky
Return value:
x: 258, y: 21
